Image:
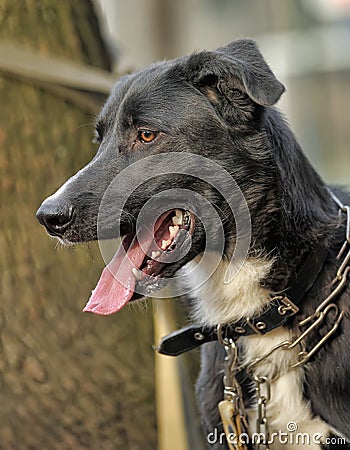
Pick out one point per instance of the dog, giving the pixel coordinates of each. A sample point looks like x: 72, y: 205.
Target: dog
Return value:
x: 172, y: 137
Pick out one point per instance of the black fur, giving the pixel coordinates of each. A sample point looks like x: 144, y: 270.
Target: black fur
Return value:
x: 219, y: 105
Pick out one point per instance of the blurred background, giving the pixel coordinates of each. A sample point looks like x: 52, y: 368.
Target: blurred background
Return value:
x: 70, y: 380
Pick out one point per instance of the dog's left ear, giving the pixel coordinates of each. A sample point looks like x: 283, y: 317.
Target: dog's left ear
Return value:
x: 236, y: 65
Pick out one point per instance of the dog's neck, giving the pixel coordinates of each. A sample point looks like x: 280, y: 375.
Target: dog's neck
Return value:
x: 293, y: 216
x: 217, y: 300
x: 299, y: 213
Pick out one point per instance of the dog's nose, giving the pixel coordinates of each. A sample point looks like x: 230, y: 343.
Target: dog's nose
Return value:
x: 55, y: 218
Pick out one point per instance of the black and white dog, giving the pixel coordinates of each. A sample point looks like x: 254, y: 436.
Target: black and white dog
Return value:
x: 165, y: 126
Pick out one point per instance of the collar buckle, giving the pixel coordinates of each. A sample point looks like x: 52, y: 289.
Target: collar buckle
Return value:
x: 286, y: 306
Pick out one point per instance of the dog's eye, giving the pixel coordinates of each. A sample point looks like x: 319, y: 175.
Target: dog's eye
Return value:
x: 147, y: 136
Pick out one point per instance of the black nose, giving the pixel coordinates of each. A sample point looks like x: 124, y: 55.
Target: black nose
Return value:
x: 56, y: 218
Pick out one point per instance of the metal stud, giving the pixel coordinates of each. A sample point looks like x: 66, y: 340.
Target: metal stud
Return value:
x: 199, y: 336
x: 260, y: 325
x: 240, y: 330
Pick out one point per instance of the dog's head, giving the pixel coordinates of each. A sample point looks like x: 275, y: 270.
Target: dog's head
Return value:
x: 169, y: 135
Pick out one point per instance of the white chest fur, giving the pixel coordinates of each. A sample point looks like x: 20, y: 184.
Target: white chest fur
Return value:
x: 289, y: 414
x: 220, y: 302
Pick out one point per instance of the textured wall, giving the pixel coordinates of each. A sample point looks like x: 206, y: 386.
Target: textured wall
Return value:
x: 68, y: 380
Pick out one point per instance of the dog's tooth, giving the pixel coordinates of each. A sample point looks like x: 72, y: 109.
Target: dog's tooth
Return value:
x: 177, y: 219
x: 173, y: 231
x: 155, y: 255
x: 165, y: 244
x: 137, y: 273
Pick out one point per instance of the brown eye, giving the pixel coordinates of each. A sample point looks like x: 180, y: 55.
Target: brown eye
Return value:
x: 147, y: 136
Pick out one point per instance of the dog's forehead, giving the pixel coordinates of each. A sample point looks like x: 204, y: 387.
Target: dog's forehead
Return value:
x: 157, y: 93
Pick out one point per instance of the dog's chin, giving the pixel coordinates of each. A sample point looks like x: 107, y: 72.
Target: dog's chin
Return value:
x: 149, y: 286
x: 144, y: 290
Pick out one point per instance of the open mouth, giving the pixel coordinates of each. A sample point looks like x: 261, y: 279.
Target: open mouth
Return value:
x: 137, y: 268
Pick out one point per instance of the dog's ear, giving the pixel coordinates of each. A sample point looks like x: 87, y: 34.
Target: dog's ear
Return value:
x: 237, y: 66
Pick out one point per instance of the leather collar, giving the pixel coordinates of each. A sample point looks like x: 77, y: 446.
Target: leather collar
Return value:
x: 276, y: 314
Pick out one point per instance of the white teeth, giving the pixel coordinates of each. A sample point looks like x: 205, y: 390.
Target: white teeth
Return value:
x: 173, y: 231
x: 155, y: 255
x: 165, y: 244
x: 177, y: 219
x: 137, y: 273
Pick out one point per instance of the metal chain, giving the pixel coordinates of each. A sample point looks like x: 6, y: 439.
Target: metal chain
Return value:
x: 263, y: 395
x: 232, y: 389
x: 318, y: 317
x: 232, y: 409
x: 338, y: 283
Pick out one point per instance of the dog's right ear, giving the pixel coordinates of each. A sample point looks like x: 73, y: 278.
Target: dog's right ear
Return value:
x: 237, y: 67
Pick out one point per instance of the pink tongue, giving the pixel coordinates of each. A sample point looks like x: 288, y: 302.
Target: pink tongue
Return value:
x: 117, y: 282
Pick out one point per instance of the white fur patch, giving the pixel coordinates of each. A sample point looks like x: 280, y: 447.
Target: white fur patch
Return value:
x: 220, y: 302
x: 243, y: 296
x: 287, y: 405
